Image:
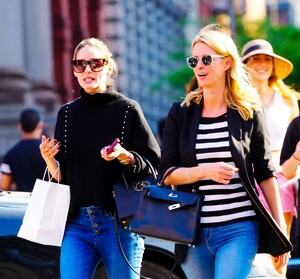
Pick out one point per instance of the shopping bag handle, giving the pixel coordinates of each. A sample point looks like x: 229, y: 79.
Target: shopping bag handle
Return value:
x: 50, y: 178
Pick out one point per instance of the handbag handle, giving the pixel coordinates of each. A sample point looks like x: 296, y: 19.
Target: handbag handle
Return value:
x: 147, y: 162
x: 168, y: 172
x: 127, y: 261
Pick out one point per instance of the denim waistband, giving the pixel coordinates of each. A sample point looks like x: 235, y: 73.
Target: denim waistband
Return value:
x: 94, y: 210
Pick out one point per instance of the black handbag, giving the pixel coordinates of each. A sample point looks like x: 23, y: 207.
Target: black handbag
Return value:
x: 127, y: 193
x: 168, y: 214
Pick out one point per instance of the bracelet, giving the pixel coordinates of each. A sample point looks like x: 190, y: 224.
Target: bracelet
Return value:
x: 296, y: 158
x: 187, y: 175
x: 128, y: 160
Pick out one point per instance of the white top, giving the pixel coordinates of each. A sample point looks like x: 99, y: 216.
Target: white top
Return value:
x: 277, y: 116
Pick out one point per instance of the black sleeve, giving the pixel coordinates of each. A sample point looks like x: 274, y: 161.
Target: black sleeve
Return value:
x: 260, y: 149
x: 140, y: 139
x: 291, y: 139
x: 59, y: 136
x: 171, y: 140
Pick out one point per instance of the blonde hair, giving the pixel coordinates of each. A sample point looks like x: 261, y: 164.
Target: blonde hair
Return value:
x: 106, y: 53
x: 239, y: 92
x: 285, y: 90
x: 277, y: 83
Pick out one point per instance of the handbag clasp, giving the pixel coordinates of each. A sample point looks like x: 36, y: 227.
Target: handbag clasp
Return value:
x: 174, y: 206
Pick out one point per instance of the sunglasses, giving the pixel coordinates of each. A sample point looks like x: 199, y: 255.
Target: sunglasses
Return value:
x: 206, y: 60
x: 95, y: 64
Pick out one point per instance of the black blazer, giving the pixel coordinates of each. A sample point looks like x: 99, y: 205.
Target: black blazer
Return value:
x: 249, y: 145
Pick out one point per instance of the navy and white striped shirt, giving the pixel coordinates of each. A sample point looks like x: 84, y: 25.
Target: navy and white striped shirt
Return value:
x: 223, y: 203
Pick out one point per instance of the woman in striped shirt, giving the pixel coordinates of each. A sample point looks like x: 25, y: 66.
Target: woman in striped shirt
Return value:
x: 218, y: 137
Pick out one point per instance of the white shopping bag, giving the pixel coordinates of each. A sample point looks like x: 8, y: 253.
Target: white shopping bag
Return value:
x: 45, y: 217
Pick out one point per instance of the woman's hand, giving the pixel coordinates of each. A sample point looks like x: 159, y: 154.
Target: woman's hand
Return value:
x: 222, y: 172
x: 119, y: 152
x: 49, y: 148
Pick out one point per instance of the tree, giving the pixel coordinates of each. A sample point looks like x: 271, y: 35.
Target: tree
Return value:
x: 284, y: 39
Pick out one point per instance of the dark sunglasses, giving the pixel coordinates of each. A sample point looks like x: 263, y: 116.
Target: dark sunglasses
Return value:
x: 95, y: 64
x: 206, y: 60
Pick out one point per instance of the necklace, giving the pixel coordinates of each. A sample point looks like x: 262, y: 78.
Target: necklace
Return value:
x: 269, y: 103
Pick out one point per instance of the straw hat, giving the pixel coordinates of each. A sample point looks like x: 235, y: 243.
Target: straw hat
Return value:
x: 282, y: 66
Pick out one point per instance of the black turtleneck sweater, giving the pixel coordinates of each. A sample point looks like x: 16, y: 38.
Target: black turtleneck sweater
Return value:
x: 83, y: 128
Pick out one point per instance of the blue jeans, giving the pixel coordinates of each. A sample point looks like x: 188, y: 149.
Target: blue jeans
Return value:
x: 91, y: 238
x: 224, y: 252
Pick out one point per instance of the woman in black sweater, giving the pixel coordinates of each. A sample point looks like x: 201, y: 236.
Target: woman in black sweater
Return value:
x: 85, y: 127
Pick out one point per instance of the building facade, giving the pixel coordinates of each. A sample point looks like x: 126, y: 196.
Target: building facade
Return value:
x: 38, y: 38
x: 149, y: 39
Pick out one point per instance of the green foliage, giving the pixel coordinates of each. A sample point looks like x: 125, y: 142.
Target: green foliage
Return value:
x: 176, y: 78
x: 284, y: 39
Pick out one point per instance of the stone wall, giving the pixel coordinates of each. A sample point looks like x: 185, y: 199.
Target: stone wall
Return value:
x: 18, y: 92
